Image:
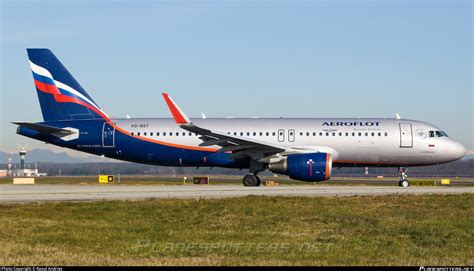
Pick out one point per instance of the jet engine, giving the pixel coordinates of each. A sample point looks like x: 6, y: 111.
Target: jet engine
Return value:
x: 308, y: 167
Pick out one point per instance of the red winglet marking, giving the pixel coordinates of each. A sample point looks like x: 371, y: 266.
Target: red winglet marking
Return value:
x: 174, y: 110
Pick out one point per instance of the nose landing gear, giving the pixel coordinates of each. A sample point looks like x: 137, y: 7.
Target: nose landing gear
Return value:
x: 402, y: 172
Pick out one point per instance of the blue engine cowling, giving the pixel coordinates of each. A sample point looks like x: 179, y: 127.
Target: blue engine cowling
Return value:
x: 309, y: 167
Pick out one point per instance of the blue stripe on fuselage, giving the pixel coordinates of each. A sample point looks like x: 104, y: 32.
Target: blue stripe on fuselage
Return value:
x: 133, y: 149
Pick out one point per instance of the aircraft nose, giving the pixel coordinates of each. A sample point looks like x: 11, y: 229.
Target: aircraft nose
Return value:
x: 458, y: 150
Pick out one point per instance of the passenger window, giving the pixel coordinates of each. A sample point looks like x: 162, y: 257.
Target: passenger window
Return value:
x: 320, y: 134
x: 267, y: 133
x: 132, y: 134
x: 273, y: 133
x: 333, y: 134
x: 151, y: 133
x: 144, y: 133
x: 314, y: 133
x: 340, y: 134
x: 327, y: 134
x: 241, y: 134
x: 380, y: 134
x: 184, y: 133
x: 235, y: 133
x: 353, y: 134
x: 386, y: 134
x: 248, y: 134
x: 190, y: 133
x: 164, y: 133
x: 301, y: 133
x: 347, y: 134
x: 254, y: 133
x: 138, y: 133
x: 307, y: 133
x: 360, y: 134
x: 261, y: 133
x: 373, y: 134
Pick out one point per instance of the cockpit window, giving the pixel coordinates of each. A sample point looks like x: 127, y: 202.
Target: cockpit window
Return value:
x: 437, y: 134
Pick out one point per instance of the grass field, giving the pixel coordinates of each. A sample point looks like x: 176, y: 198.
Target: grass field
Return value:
x: 395, y: 230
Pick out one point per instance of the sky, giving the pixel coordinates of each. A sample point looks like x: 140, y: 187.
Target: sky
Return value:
x: 247, y: 59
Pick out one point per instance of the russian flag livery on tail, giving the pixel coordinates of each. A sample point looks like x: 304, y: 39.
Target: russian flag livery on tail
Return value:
x: 305, y: 149
x: 61, y: 96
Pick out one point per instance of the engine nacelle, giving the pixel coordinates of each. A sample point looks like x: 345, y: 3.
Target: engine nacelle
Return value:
x: 309, y: 167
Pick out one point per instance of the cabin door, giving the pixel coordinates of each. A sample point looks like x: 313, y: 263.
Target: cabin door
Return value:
x: 406, y: 135
x: 108, y: 135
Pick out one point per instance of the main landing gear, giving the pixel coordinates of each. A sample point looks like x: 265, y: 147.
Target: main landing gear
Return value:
x: 402, y: 172
x: 251, y: 180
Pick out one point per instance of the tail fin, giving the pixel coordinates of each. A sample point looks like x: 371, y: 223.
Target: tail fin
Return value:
x: 61, y: 96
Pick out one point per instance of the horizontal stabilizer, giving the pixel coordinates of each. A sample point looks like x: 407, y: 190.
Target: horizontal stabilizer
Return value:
x: 45, y: 129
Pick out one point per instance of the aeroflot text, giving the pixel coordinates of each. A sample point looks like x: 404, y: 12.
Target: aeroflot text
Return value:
x: 351, y: 123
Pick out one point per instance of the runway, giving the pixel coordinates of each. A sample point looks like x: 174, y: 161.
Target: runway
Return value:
x: 38, y: 193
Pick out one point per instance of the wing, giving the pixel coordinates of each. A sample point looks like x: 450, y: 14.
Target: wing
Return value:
x: 240, y: 147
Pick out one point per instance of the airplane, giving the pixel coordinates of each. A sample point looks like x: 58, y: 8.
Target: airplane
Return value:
x: 304, y: 149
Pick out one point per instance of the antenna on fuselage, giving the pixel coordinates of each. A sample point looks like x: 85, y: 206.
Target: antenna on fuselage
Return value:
x: 398, y: 116
x: 203, y: 116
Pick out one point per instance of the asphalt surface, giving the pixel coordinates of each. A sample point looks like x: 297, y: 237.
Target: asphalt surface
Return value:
x: 36, y: 193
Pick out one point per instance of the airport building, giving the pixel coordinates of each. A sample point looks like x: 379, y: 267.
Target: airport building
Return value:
x: 21, y: 170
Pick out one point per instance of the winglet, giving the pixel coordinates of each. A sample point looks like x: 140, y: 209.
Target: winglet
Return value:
x: 177, y: 113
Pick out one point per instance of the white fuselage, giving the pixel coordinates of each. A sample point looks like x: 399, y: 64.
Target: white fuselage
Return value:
x: 351, y: 141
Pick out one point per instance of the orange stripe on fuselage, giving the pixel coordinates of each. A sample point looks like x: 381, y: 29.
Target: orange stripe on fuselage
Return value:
x: 175, y: 145
x: 162, y: 142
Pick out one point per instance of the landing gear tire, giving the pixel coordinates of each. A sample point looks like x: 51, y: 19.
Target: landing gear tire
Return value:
x: 404, y: 183
x: 251, y: 180
x: 402, y: 171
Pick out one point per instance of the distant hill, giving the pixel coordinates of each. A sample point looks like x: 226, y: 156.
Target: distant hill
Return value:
x: 47, y: 156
